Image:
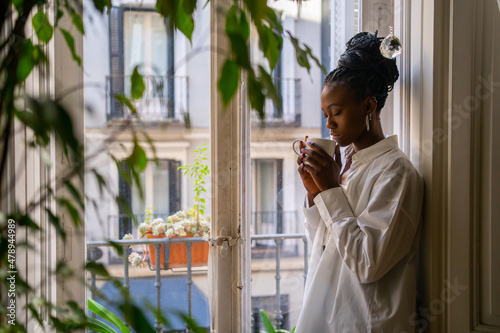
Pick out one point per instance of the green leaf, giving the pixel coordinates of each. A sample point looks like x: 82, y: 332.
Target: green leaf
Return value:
x: 136, y: 318
x: 98, y: 269
x: 300, y: 54
x: 191, y: 324
x: 316, y: 60
x: 64, y: 269
x: 256, y: 96
x: 125, y: 101
x: 75, y: 193
x: 236, y: 23
x: 99, y: 326
x: 75, y: 216
x: 101, y: 4
x: 270, y: 43
x: 257, y: 9
x: 184, y: 21
x: 189, y: 6
x: 117, y: 247
x: 55, y: 221
x: 228, y: 82
x: 266, y: 321
x: 78, y: 23
x: 138, y: 158
x: 26, y: 63
x: 138, y: 86
x: 270, y: 89
x: 18, y: 4
x: 43, y: 29
x: 25, y: 220
x: 105, y: 313
x: 71, y: 44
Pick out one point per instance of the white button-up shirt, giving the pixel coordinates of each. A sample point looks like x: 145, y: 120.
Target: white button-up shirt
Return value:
x: 364, y: 280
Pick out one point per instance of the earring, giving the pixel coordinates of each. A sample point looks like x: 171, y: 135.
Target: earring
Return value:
x: 368, y: 118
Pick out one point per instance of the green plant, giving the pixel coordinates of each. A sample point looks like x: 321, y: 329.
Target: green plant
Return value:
x: 99, y: 325
x: 269, y: 326
x: 198, y: 171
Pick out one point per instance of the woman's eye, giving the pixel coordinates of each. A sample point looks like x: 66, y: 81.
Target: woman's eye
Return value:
x: 337, y: 113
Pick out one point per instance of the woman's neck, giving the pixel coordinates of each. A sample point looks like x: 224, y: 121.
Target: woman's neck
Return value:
x: 371, y: 137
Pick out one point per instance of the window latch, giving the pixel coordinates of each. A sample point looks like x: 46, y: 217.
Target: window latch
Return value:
x: 225, y: 242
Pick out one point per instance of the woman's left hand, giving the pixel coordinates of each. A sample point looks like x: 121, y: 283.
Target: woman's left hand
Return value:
x: 322, y: 167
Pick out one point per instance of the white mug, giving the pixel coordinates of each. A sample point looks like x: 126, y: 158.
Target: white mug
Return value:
x: 327, y: 145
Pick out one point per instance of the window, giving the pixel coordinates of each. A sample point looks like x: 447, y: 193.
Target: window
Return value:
x: 267, y: 212
x: 161, y: 190
x: 140, y: 37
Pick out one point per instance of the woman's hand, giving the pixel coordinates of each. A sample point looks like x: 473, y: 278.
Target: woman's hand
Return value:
x: 320, y: 167
x: 309, y: 184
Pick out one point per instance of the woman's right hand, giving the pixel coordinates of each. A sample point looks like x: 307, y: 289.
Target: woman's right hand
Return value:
x: 309, y: 184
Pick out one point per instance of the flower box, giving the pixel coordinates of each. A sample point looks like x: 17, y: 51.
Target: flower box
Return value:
x: 178, y: 253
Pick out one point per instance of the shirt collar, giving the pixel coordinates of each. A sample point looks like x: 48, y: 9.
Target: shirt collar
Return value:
x: 381, y: 147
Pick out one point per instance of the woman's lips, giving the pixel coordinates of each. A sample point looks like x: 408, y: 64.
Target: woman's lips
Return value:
x: 335, y: 136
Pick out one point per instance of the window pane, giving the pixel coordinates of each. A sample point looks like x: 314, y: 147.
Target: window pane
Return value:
x: 135, y: 35
x: 161, y: 188
x: 138, y: 203
x: 134, y: 40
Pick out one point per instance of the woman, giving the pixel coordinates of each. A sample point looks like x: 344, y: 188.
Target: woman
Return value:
x: 363, y: 210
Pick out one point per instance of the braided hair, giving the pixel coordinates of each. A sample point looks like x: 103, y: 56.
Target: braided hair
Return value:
x: 363, y: 68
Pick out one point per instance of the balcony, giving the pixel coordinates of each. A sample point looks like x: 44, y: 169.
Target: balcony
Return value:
x: 290, y: 91
x: 163, y: 281
x: 165, y: 98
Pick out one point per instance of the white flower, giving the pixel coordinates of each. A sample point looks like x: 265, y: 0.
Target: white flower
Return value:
x: 157, y: 221
x: 158, y: 229
x: 128, y: 237
x: 144, y: 228
x: 136, y: 260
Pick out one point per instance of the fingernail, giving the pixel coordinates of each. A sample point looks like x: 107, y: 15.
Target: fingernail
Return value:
x: 309, y: 142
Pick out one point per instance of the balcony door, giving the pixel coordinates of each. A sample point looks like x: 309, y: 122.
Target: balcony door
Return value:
x: 140, y: 37
x: 267, y: 211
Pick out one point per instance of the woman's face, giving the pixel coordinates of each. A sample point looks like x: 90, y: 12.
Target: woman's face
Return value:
x: 345, y: 113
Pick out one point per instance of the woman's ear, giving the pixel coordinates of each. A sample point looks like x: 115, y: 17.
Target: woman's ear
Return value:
x: 370, y: 104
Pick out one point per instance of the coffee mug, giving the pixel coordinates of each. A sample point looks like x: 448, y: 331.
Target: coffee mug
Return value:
x: 327, y: 145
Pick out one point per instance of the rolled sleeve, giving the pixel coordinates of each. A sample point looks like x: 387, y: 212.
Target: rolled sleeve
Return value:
x: 333, y: 205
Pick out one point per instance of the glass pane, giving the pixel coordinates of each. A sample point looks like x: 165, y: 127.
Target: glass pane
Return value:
x: 138, y: 203
x: 161, y: 188
x: 277, y: 190
x: 135, y: 35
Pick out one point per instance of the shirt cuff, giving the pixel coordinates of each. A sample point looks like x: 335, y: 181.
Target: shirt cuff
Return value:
x: 332, y: 205
x: 311, y: 214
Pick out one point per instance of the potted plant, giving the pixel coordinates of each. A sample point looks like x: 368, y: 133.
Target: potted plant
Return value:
x: 190, y: 223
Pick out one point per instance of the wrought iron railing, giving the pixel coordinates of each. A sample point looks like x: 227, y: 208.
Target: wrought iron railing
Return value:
x: 127, y: 244
x: 289, y: 89
x: 165, y: 97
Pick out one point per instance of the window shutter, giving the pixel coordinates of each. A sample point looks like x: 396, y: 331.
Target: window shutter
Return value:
x: 170, y: 73
x: 175, y: 186
x: 279, y: 196
x: 124, y: 192
x: 116, y: 61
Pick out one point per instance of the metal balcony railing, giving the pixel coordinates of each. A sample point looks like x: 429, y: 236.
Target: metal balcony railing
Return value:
x: 289, y: 89
x: 165, y: 97
x: 127, y: 244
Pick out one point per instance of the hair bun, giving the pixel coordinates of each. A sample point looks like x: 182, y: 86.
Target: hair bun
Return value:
x: 364, y: 68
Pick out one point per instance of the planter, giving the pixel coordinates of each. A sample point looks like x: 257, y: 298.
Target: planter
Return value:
x: 178, y: 253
